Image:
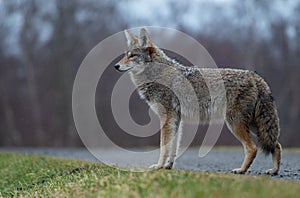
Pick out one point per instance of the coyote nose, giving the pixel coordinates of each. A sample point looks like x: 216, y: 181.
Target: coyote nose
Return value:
x: 117, y: 67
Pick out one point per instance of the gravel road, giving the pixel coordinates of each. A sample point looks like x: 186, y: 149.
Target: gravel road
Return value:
x: 220, y: 160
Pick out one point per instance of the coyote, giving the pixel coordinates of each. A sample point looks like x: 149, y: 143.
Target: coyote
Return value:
x: 249, y: 104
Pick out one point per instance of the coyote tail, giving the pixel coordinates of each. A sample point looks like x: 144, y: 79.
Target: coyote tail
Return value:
x: 266, y: 119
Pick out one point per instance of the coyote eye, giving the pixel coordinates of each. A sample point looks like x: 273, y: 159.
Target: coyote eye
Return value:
x: 130, y: 55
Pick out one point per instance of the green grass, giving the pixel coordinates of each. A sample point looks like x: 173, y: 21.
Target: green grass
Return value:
x: 39, y: 176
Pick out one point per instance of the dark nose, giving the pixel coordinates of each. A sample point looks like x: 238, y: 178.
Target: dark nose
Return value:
x: 117, y: 67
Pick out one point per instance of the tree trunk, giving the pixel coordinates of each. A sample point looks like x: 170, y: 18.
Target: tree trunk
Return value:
x: 15, y: 136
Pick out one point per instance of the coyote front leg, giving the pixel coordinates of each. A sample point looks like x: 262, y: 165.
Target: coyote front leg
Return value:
x: 168, y: 141
x: 174, y: 144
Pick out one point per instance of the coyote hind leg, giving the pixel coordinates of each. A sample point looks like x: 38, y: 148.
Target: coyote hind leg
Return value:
x: 242, y: 133
x: 276, y: 158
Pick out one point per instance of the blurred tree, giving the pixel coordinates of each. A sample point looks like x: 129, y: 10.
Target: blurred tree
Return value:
x: 28, y: 44
x: 9, y: 134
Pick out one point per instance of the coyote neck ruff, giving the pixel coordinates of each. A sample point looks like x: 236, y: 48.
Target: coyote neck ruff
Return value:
x: 179, y: 93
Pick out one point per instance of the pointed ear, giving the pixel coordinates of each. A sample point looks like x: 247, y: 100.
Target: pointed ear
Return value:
x: 145, y: 40
x: 131, y: 39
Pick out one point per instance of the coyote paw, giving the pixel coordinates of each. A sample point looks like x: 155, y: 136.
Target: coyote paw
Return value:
x: 272, y: 171
x: 155, y: 166
x: 238, y: 171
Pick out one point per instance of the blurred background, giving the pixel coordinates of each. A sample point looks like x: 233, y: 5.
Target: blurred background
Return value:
x: 42, y: 44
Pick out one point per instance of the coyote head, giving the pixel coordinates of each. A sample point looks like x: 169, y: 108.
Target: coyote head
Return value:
x: 140, y: 52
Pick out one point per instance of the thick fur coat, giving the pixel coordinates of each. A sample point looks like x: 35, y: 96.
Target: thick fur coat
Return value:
x: 180, y: 93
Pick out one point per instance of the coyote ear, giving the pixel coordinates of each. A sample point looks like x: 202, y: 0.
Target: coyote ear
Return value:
x: 145, y: 40
x: 131, y: 39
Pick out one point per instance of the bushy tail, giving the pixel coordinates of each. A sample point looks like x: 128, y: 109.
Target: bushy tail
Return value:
x: 266, y: 119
